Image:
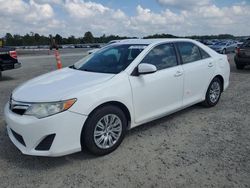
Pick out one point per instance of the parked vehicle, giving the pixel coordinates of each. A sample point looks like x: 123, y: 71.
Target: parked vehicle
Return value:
x: 92, y: 103
x: 224, y: 47
x: 242, y: 56
x: 68, y: 46
x: 8, y: 59
x: 210, y: 43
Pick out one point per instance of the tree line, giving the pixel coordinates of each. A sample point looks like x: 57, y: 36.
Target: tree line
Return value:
x: 34, y: 39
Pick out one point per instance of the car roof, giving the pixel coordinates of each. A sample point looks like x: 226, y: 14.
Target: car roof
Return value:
x: 163, y: 40
x: 154, y: 41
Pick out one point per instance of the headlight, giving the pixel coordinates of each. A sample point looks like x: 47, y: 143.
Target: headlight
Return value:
x: 42, y: 110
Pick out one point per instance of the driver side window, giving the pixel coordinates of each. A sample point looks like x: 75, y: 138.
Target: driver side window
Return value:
x: 162, y: 56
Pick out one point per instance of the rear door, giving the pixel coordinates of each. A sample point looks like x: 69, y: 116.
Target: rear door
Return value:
x: 198, y: 69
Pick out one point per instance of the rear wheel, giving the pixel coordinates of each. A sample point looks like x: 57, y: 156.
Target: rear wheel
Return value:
x: 213, y: 93
x: 104, y: 130
x: 224, y: 51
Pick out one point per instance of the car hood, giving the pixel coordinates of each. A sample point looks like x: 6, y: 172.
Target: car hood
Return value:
x: 57, y: 85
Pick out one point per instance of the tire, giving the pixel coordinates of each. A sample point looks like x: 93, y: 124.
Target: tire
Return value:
x: 224, y: 51
x: 239, y: 67
x: 100, y: 136
x: 213, y: 93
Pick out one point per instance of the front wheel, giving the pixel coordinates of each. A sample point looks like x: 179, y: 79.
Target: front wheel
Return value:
x: 104, y: 130
x: 213, y: 93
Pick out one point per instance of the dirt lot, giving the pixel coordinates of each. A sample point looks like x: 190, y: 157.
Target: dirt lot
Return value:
x: 197, y: 147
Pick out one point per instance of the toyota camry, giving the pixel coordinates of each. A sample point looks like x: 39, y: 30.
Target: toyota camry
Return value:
x: 91, y: 104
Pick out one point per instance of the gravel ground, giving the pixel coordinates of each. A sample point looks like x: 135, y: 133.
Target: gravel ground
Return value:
x: 196, y: 147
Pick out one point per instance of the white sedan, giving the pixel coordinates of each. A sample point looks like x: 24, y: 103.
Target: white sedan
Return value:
x: 92, y: 103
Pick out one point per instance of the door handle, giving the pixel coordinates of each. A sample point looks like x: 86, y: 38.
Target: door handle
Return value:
x: 210, y: 64
x: 178, y: 73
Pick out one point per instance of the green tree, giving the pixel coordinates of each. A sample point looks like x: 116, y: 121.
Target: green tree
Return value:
x: 88, y: 37
x: 71, y: 40
x: 59, y: 39
x: 18, y: 40
x: 9, y: 39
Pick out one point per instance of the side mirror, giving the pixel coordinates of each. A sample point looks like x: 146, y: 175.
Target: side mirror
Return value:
x: 145, y: 68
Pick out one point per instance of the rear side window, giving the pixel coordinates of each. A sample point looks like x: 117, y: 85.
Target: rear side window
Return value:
x: 204, y: 54
x: 162, y: 56
x: 189, y: 52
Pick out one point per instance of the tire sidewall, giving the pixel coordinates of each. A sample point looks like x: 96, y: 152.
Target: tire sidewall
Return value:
x: 208, y: 100
x: 89, y: 128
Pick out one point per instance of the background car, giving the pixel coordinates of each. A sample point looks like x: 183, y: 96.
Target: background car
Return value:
x: 224, y: 47
x: 242, y: 56
x: 8, y: 59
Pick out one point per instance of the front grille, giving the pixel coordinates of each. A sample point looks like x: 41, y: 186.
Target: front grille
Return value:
x: 46, y: 143
x: 18, y: 137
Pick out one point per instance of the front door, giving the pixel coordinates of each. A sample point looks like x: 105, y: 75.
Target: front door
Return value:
x: 159, y: 93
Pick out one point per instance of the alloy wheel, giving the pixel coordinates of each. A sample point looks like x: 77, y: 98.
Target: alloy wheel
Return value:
x: 214, y: 92
x: 107, y: 131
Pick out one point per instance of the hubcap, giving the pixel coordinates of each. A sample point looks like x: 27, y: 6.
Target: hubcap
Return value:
x: 214, y: 92
x: 107, y: 131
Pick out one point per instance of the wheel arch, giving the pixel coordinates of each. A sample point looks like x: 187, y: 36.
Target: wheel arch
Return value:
x: 221, y: 79
x: 122, y: 106
x: 118, y: 104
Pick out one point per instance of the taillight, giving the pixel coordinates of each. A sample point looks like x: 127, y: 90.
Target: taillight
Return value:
x: 13, y: 54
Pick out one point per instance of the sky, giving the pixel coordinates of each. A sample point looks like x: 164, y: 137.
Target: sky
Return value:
x: 133, y: 18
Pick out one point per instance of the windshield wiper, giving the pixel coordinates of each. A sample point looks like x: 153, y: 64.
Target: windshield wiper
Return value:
x: 72, y: 67
x: 87, y: 70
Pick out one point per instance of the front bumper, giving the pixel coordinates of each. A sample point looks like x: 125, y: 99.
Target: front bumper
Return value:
x: 10, y: 66
x: 66, y: 128
x: 17, y: 65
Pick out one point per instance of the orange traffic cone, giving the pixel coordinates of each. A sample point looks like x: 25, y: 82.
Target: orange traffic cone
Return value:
x: 58, y: 59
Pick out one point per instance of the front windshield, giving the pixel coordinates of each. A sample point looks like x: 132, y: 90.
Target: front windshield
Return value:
x: 111, y: 59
